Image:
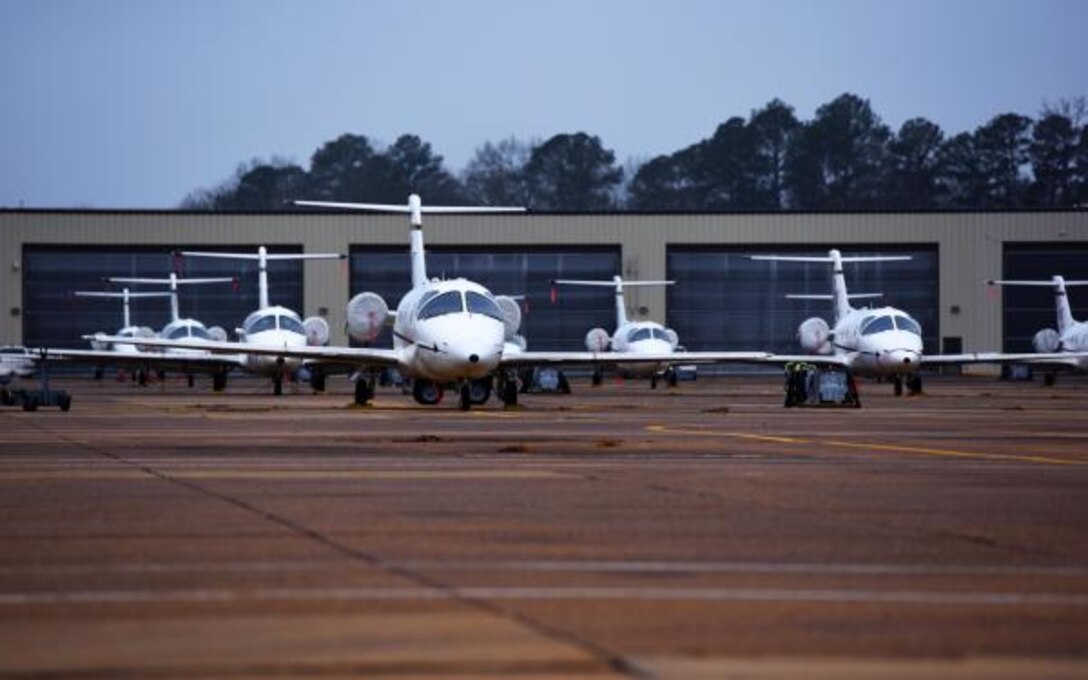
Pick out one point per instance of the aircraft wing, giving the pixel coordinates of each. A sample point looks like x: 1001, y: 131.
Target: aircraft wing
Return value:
x: 1069, y: 359
x: 153, y: 360
x: 354, y: 356
x: 611, y: 358
x: 814, y: 359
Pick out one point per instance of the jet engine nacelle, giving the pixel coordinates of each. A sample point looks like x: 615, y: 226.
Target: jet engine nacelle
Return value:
x: 511, y: 314
x: 366, y: 316
x: 597, y: 340
x: 815, y: 336
x: 1046, y: 341
x: 317, y: 331
x: 149, y: 333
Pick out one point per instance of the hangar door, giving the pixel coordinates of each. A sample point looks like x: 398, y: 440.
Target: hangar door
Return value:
x: 547, y: 325
x: 724, y: 301
x: 1027, y: 310
x: 54, y: 317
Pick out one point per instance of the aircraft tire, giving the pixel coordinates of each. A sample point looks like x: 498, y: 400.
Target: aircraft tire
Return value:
x: 509, y: 394
x: 915, y: 384
x: 65, y: 403
x: 277, y: 386
x: 317, y: 381
x: 191, y: 380
x: 219, y: 382
x: 898, y: 386
x: 597, y: 379
x: 364, y: 391
x: 30, y: 403
x: 480, y: 390
x: 1049, y: 379
x: 465, y: 401
x: 426, y: 392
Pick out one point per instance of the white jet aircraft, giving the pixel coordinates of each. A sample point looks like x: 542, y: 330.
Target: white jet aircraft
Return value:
x: 884, y: 342
x: 128, y: 330
x: 266, y: 335
x: 16, y: 361
x: 445, y: 332
x: 142, y: 362
x: 631, y: 337
x: 1070, y: 336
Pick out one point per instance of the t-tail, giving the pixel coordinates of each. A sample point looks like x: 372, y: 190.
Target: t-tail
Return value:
x: 619, y: 284
x: 126, y: 296
x: 1061, y: 299
x: 840, y: 296
x: 263, y: 257
x: 415, y: 210
x: 173, y: 282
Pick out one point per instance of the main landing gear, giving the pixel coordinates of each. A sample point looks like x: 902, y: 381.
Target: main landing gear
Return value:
x: 913, y: 384
x: 364, y: 390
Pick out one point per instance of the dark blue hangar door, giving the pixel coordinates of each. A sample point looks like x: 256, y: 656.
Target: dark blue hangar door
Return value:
x: 723, y: 300
x: 1027, y: 310
x: 54, y: 317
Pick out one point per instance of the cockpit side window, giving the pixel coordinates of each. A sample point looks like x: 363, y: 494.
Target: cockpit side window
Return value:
x: 288, y: 323
x: 261, y: 324
x: 477, y: 303
x: 905, y: 323
x: 425, y: 298
x: 639, y: 334
x: 445, y: 303
x: 179, y: 332
x: 878, y: 324
x: 199, y: 332
x: 660, y: 334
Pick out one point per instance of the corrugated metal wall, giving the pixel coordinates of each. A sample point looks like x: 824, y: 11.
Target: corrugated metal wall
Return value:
x: 970, y: 245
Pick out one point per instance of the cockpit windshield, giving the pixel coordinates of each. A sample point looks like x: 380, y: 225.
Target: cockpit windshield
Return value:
x: 478, y: 303
x: 288, y: 323
x: 188, y: 332
x: 660, y: 334
x: 639, y: 334
x: 446, y: 303
x: 262, y: 324
x: 877, y: 324
x: 905, y: 323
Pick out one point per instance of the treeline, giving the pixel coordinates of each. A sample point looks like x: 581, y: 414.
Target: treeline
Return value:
x: 845, y: 158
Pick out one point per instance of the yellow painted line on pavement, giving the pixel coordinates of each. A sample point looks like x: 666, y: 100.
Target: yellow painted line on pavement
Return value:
x: 953, y: 453
x: 718, y: 433
x: 949, y: 453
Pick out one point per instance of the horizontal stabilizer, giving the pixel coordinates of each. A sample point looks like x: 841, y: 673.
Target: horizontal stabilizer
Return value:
x: 1048, y: 283
x: 393, y: 208
x: 269, y: 256
x: 828, y: 260
x: 611, y: 284
x: 129, y: 295
x: 817, y: 296
x: 180, y: 282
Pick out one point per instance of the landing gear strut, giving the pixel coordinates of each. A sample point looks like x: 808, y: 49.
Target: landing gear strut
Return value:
x: 364, y: 390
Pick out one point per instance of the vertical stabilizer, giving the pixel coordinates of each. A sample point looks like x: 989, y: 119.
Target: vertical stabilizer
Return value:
x: 839, y: 295
x: 1061, y: 298
x: 621, y: 304
x: 419, y: 256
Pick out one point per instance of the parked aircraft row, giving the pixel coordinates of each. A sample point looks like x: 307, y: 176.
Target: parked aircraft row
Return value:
x: 456, y: 333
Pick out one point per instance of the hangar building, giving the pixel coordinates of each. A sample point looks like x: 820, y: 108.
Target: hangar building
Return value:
x: 721, y: 300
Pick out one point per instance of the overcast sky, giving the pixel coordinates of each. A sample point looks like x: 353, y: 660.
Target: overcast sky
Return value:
x: 114, y: 103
